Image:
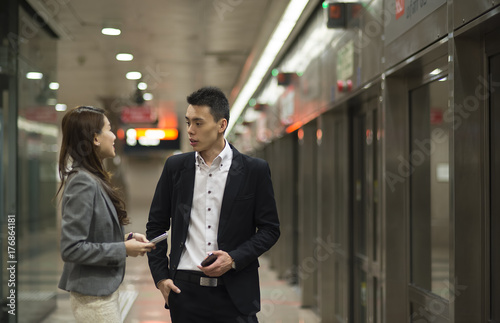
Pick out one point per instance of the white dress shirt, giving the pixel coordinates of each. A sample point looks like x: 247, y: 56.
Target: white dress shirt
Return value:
x: 209, y: 184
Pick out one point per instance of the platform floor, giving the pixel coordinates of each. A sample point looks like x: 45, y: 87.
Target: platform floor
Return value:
x: 141, y: 302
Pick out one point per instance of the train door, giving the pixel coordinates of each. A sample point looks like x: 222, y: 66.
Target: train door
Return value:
x: 494, y: 244
x: 366, y: 260
x: 429, y: 223
x: 307, y: 215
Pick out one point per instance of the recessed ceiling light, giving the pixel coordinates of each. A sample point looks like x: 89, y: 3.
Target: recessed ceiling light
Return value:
x: 61, y: 107
x: 34, y: 75
x: 142, y: 86
x: 54, y: 86
x: 111, y: 31
x: 124, y: 57
x: 134, y: 75
x: 147, y: 96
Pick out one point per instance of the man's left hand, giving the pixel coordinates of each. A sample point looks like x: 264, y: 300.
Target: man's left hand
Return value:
x: 220, y: 266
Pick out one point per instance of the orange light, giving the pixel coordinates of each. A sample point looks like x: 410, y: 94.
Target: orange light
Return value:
x: 319, y: 134
x: 157, y: 133
x: 120, y: 133
x: 335, y: 11
x: 294, y: 126
x: 300, y: 134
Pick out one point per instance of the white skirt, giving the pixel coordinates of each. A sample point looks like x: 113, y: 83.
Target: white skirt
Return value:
x: 95, y: 309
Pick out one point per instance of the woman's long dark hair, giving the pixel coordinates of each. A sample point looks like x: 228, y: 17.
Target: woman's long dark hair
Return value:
x: 79, y: 126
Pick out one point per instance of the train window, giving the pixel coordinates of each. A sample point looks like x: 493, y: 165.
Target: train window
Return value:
x: 495, y: 186
x: 427, y: 163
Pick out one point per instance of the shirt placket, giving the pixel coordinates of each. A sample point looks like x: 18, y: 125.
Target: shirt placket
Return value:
x: 210, y: 229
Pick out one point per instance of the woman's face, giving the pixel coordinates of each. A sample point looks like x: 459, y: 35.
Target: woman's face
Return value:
x: 105, y: 141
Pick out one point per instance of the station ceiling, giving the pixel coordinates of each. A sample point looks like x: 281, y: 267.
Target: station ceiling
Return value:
x: 178, y: 46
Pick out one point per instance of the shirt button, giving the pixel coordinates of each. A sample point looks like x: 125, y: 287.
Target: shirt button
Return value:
x: 209, y: 243
x: 209, y: 209
x: 209, y: 175
x: 209, y: 226
x: 209, y: 192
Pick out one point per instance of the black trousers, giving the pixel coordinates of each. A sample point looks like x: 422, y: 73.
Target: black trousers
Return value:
x: 202, y: 304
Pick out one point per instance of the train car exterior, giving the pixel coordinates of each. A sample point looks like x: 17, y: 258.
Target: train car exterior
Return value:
x: 382, y: 135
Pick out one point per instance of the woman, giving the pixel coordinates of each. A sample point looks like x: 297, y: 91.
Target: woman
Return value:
x: 93, y: 243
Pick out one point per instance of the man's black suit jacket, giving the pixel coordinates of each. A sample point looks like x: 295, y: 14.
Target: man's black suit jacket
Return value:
x: 248, y: 224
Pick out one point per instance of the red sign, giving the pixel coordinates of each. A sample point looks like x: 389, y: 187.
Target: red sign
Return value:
x: 400, y: 8
x: 45, y: 114
x: 436, y: 116
x: 138, y: 114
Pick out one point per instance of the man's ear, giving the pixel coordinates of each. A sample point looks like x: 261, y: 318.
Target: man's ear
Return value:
x: 222, y: 125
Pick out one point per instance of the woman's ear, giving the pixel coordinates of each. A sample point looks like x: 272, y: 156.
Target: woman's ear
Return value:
x: 96, y: 141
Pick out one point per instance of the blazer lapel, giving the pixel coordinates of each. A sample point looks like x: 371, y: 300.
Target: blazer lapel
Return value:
x: 233, y: 183
x: 187, y: 189
x: 110, y: 205
x: 107, y: 199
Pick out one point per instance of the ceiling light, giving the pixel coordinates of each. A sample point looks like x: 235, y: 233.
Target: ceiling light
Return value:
x: 288, y: 20
x: 61, y: 107
x: 134, y: 75
x: 111, y: 31
x: 34, y: 75
x: 124, y: 57
x: 142, y: 86
x: 54, y: 86
x: 436, y: 71
x: 147, y: 96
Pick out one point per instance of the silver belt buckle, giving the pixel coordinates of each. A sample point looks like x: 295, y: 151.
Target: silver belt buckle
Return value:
x: 209, y: 282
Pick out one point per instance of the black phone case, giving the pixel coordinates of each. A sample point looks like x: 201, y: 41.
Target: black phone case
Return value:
x: 209, y: 260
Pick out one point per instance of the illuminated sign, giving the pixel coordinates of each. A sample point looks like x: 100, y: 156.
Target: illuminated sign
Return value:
x: 160, y: 138
x: 138, y: 114
x: 343, y: 14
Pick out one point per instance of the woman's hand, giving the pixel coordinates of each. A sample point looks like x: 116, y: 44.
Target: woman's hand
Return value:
x: 140, y: 237
x: 136, y: 248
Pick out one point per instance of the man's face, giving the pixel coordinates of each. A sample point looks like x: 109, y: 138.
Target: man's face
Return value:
x: 202, y: 129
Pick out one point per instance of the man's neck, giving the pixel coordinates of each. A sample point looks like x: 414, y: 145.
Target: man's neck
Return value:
x: 209, y: 155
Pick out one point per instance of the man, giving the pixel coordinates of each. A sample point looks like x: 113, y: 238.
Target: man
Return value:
x: 218, y: 201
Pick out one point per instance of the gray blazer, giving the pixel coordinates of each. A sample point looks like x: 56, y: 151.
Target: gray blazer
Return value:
x: 92, y: 246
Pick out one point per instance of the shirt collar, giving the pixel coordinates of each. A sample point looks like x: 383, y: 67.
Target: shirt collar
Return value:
x: 223, y: 159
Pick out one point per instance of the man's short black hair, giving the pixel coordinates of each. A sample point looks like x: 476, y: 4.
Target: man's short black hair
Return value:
x: 212, y: 97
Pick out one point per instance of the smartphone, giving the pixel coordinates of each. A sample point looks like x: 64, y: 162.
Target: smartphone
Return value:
x: 209, y: 260
x: 159, y: 238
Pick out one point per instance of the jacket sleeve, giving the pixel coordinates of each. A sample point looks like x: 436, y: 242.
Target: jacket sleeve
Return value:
x: 158, y: 223
x: 79, y: 242
x: 266, y: 221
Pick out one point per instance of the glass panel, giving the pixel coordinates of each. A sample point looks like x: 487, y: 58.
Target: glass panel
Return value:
x: 428, y: 164
x: 338, y: 292
x: 375, y: 300
x: 359, y: 185
x: 361, y: 301
x: 375, y: 229
x: 495, y: 187
x: 37, y: 173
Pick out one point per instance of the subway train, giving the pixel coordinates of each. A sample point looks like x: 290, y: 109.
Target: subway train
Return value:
x: 380, y: 120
